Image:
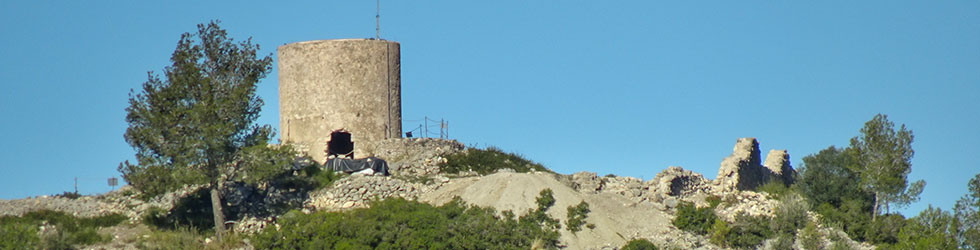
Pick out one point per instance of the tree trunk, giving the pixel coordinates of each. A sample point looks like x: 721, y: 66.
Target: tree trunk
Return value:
x: 874, y: 213
x: 219, y: 217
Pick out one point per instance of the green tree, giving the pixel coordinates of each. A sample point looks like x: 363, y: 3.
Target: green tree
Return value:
x: 826, y: 177
x: 191, y: 126
x: 884, y: 158
x: 968, y: 217
x: 933, y: 228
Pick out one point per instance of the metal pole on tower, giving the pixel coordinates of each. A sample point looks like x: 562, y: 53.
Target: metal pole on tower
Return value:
x: 377, y: 22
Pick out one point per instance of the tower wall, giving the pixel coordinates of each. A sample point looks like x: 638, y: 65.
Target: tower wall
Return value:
x: 326, y: 85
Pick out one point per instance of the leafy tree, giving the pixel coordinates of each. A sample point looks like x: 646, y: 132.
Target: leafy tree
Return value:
x: 968, y: 217
x: 190, y: 127
x: 884, y: 158
x: 933, y: 228
x: 826, y: 177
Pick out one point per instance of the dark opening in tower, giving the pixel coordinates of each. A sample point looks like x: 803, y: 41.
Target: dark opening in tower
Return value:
x: 340, y: 145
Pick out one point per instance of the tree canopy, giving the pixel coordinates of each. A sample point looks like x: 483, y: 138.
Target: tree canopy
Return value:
x: 192, y: 125
x: 884, y: 158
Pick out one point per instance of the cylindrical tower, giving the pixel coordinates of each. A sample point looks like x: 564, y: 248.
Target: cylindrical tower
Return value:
x: 327, y: 85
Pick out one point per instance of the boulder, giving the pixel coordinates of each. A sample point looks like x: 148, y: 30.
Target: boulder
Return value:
x: 586, y: 182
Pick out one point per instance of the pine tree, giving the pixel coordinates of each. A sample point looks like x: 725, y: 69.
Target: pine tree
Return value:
x: 189, y: 127
x: 884, y: 162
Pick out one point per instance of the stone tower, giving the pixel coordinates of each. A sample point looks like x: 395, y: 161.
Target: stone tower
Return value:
x: 329, y: 85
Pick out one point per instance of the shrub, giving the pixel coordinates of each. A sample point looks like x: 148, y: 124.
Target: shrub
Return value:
x: 538, y: 218
x: 783, y: 242
x: 790, y: 215
x: 851, y: 216
x: 885, y: 229
x: 810, y: 237
x: 775, y: 189
x: 693, y: 219
x: 320, y: 177
x: 487, y: 161
x: 719, y: 233
x: 639, y: 244
x: 576, y: 216
x: 18, y: 235
x: 22, y: 230
x: 713, y: 201
x: 400, y: 224
x: 745, y: 232
x: 69, y: 195
x: 748, y: 231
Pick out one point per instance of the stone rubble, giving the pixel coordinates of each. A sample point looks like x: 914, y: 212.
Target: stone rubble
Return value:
x: 416, y: 156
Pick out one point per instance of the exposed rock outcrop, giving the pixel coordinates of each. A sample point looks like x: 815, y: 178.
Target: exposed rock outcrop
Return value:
x: 586, y: 182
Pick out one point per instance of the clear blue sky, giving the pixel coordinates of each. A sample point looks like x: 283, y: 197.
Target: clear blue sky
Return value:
x: 618, y: 87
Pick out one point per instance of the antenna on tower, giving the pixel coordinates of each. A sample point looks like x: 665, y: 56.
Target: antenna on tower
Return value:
x: 377, y: 22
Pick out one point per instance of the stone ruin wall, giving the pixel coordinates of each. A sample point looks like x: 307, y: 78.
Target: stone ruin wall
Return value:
x: 326, y: 85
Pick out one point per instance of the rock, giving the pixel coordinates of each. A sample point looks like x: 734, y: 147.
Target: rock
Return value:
x: 506, y: 170
x: 586, y: 182
x: 671, y: 202
x: 442, y: 179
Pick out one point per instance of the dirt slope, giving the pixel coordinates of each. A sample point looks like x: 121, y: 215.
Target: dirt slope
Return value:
x: 616, y: 218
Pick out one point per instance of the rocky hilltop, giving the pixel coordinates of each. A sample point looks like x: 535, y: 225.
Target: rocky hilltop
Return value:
x: 622, y: 208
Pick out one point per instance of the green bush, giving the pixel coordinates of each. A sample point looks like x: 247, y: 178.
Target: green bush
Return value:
x: 790, y: 215
x: 22, y: 230
x: 719, y: 232
x: 749, y: 231
x: 487, y: 161
x: 885, y: 229
x: 400, y: 224
x: 783, y: 242
x: 320, y: 176
x: 576, y: 216
x: 851, y: 216
x: 18, y: 235
x: 639, y: 244
x: 69, y: 195
x: 775, y: 189
x: 745, y: 232
x: 810, y: 237
x: 693, y: 219
x: 713, y: 201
